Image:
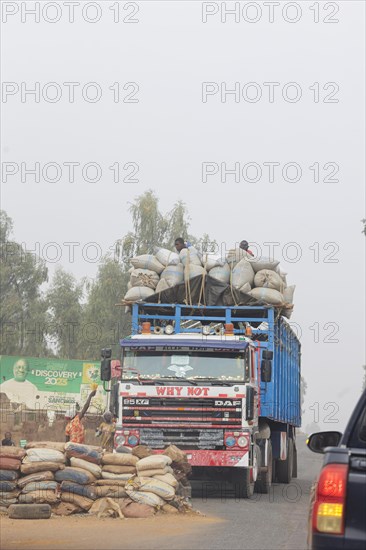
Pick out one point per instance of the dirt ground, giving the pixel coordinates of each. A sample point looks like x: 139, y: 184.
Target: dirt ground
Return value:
x: 86, y: 532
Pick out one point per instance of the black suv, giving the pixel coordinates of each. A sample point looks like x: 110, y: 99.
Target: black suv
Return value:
x: 338, y: 501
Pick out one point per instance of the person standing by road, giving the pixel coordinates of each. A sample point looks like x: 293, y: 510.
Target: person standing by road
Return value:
x: 7, y: 441
x: 107, y: 430
x: 75, y: 431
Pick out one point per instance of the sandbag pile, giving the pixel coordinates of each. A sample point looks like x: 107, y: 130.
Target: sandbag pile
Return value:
x: 75, y: 478
x: 261, y: 277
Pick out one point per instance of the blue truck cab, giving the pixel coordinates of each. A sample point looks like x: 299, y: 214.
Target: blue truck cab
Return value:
x: 221, y: 383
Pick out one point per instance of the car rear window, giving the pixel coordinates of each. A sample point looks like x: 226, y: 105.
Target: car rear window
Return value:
x: 358, y: 436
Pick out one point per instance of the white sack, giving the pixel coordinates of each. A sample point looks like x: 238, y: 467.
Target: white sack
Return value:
x: 190, y: 256
x: 210, y: 261
x: 138, y: 293
x: 268, y: 278
x: 193, y: 270
x: 166, y: 257
x: 221, y: 274
x: 147, y: 261
x: 235, y: 255
x: 241, y: 274
x: 288, y: 294
x: 144, y: 277
x: 263, y: 263
x: 153, y: 462
x: 174, y: 274
x: 268, y: 295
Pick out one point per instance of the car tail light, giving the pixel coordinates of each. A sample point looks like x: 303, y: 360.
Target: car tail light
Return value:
x: 330, y: 499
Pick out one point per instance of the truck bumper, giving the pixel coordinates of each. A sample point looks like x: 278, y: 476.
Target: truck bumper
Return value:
x: 218, y: 458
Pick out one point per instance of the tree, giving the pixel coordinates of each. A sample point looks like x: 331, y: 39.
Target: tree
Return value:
x: 23, y: 309
x: 65, y: 300
x: 103, y: 322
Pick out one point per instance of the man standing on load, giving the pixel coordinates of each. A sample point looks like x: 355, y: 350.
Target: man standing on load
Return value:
x: 75, y: 431
x: 244, y: 245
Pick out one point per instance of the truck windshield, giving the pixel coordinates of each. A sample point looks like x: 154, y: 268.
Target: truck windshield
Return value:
x: 152, y: 365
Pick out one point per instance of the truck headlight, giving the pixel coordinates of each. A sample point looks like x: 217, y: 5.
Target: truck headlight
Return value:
x: 242, y: 441
x: 120, y: 440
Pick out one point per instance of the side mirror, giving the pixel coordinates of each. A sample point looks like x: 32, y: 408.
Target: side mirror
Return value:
x: 249, y: 405
x: 105, y: 370
x: 266, y: 370
x: 266, y: 354
x: 319, y: 441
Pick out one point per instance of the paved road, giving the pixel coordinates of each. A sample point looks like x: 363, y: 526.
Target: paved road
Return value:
x: 275, y: 521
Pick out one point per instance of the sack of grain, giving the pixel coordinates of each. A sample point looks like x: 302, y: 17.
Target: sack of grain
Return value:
x: 77, y: 475
x: 40, y: 486
x: 45, y: 455
x: 166, y: 257
x: 267, y: 278
x: 65, y: 509
x: 263, y: 263
x: 176, y: 454
x: 147, y: 261
x: 142, y: 451
x: 12, y: 452
x: 120, y: 459
x: 245, y: 288
x: 190, y: 256
x: 38, y: 497
x: 57, y: 446
x: 158, y: 472
x: 138, y: 293
x: 288, y: 294
x: 110, y: 491
x: 8, y: 475
x: 144, y: 277
x: 34, y: 467
x: 120, y: 477
x: 153, y: 485
x: 267, y: 295
x: 145, y: 498
x: 138, y: 510
x: 31, y: 478
x: 84, y: 452
x: 153, y: 462
x: 115, y: 482
x: 6, y: 486
x: 162, y: 285
x: 173, y: 274
x: 209, y: 261
x: 6, y: 502
x: 87, y: 491
x: 8, y: 495
x: 221, y: 274
x: 235, y: 255
x: 168, y: 478
x: 242, y: 273
x: 85, y: 465
x: 9, y: 463
x: 192, y: 270
x: 77, y: 500
x: 117, y: 469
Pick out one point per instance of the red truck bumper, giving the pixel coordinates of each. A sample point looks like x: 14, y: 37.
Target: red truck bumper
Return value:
x: 217, y: 458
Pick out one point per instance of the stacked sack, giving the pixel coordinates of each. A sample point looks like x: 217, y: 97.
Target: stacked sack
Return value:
x: 261, y: 277
x: 38, y: 483
x: 10, y: 463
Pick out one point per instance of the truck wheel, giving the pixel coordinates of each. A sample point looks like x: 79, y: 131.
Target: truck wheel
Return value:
x: 264, y: 480
x: 284, y: 467
x: 294, y: 466
x: 244, y: 485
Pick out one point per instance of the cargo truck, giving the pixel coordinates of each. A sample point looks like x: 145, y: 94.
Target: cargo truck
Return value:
x: 221, y: 383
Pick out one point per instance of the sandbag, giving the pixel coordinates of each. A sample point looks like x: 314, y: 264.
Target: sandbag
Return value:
x: 288, y: 294
x: 9, y: 463
x: 153, y: 462
x: 176, y: 454
x: 8, y: 495
x: 173, y: 274
x: 169, y: 479
x: 117, y: 469
x: 121, y: 477
x: 12, y: 452
x: 209, y: 261
x: 5, y: 503
x: 66, y: 509
x: 246, y: 288
x: 115, y: 482
x: 30, y: 511
x: 6, y: 486
x: 40, y: 486
x: 193, y: 270
x: 87, y: 491
x: 147, y: 261
x: 40, y: 476
x: 141, y: 451
x: 121, y: 459
x: 138, y: 293
x: 221, y: 274
x: 268, y: 278
x: 166, y: 257
x: 138, y: 510
x: 267, y: 295
x: 77, y: 500
x: 110, y: 491
x: 152, y: 485
x: 45, y: 455
x: 84, y: 452
x: 123, y: 449
x: 38, y: 497
x: 106, y: 507
x: 235, y: 255
x: 190, y: 256
x: 145, y: 498
x: 144, y: 277
x: 56, y: 445
x: 263, y: 263
x: 157, y: 472
x: 242, y: 273
x: 77, y: 475
x: 33, y: 467
x: 162, y: 285
x: 95, y: 469
x: 8, y: 475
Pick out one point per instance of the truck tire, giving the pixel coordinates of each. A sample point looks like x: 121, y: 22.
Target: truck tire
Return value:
x: 264, y: 481
x: 294, y: 466
x: 243, y: 483
x: 284, y: 467
x: 29, y: 511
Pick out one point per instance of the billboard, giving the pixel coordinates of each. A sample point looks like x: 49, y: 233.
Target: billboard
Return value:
x: 52, y: 384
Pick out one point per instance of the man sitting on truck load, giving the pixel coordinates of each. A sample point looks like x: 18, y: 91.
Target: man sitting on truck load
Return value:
x: 244, y: 245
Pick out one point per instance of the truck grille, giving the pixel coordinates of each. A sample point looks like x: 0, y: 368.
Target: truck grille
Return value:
x: 194, y: 439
